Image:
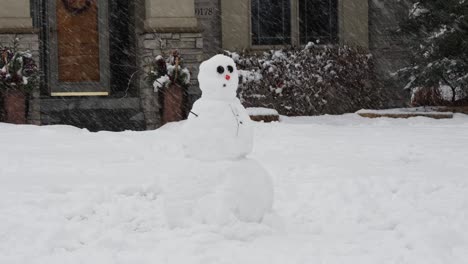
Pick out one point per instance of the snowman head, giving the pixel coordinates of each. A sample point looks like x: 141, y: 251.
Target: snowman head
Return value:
x: 218, y: 78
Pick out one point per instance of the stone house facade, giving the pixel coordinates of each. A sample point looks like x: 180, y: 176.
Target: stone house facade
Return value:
x: 93, y: 52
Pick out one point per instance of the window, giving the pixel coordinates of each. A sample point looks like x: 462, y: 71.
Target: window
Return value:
x: 318, y: 21
x: 271, y: 22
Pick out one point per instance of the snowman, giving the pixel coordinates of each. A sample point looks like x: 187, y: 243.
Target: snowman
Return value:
x: 219, y: 127
x: 225, y: 186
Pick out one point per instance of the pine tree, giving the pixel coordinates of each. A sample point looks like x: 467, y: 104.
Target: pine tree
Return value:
x: 440, y: 48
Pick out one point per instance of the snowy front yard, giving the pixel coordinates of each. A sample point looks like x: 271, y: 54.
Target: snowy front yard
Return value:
x: 347, y: 190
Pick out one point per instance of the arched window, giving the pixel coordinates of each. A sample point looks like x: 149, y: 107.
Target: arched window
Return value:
x: 318, y: 21
x: 271, y: 22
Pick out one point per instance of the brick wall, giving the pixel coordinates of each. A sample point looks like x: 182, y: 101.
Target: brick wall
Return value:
x: 190, y: 46
x: 27, y: 41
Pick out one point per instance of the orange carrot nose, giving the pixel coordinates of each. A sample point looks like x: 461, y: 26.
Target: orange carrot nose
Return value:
x: 228, y: 77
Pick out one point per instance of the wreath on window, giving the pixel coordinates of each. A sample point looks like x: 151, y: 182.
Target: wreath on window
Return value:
x: 77, y: 6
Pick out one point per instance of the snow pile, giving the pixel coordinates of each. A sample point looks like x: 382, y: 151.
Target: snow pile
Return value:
x: 347, y: 190
x: 261, y: 111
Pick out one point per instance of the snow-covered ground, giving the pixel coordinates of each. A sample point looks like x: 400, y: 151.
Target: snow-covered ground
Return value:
x: 347, y: 190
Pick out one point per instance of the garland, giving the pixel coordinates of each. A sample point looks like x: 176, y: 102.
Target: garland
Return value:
x: 77, y: 7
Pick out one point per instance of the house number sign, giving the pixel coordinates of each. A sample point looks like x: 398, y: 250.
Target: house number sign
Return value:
x: 204, y: 11
x: 209, y: 15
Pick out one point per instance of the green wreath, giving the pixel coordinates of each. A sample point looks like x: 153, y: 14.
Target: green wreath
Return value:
x: 75, y: 7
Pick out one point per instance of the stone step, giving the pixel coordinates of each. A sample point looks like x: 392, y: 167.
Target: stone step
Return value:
x: 94, y: 114
x: 261, y: 114
x: 429, y: 112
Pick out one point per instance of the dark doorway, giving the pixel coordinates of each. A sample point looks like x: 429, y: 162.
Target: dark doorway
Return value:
x: 121, y: 109
x: 122, y: 47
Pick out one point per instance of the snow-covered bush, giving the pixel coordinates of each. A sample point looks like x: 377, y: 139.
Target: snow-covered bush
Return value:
x: 438, y: 74
x: 18, y: 70
x: 166, y: 72
x: 318, y: 79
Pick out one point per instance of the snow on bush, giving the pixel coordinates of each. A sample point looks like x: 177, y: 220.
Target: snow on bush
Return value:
x: 315, y: 80
x: 164, y: 73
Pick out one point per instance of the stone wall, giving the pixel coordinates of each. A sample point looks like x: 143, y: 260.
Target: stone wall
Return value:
x: 190, y: 46
x: 208, y: 13
x: 387, y: 45
x: 27, y: 41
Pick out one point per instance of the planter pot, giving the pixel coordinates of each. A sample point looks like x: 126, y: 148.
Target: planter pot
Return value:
x: 173, y: 102
x: 14, y: 103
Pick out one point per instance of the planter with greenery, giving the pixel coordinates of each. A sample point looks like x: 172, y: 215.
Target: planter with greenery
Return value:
x: 171, y: 80
x: 18, y: 76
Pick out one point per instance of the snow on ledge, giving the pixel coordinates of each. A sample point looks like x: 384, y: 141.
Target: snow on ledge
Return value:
x: 261, y: 111
x: 414, y: 110
x: 405, y: 113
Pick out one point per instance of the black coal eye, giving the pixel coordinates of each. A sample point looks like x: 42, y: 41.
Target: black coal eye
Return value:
x: 220, y: 69
x: 230, y: 69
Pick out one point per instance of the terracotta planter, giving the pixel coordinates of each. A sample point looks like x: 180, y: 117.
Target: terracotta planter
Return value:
x: 14, y: 103
x: 173, y: 101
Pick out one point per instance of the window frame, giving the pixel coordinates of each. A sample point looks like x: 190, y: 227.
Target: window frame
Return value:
x: 333, y: 23
x: 295, y: 27
x: 291, y: 32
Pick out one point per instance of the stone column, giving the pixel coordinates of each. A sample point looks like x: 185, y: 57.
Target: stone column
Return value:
x: 235, y: 24
x: 16, y: 22
x: 354, y: 22
x: 15, y: 15
x: 169, y: 25
x: 173, y: 14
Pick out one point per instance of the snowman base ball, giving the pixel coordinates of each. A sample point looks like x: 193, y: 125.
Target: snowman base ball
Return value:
x: 217, y: 193
x: 248, y: 191
x: 244, y: 194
